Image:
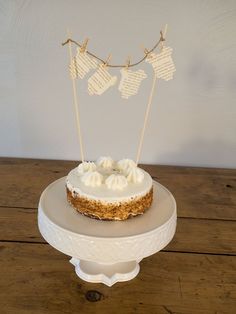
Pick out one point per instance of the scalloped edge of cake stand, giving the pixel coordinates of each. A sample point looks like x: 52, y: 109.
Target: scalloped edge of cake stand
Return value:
x: 106, y: 274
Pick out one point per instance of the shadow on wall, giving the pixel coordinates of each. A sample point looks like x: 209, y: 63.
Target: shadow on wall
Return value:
x: 224, y: 153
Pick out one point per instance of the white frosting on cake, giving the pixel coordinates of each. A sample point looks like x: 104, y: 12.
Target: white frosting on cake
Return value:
x: 106, y: 185
x: 93, y: 178
x: 105, y: 162
x: 116, y: 182
x: 86, y: 166
x: 125, y: 164
x: 135, y: 175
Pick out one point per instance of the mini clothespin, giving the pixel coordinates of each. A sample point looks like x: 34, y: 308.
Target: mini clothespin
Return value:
x: 163, y: 36
x: 84, y: 46
x: 105, y: 64
x: 127, y: 63
x: 145, y: 50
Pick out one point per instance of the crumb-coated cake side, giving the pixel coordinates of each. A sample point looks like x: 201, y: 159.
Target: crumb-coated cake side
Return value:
x: 110, y: 211
x: 109, y: 190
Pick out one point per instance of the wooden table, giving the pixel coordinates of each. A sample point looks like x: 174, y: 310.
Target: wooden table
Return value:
x: 196, y: 273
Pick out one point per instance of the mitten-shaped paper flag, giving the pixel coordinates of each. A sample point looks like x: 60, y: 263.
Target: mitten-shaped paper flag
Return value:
x: 100, y: 81
x: 81, y: 64
x: 162, y: 63
x: 130, y: 82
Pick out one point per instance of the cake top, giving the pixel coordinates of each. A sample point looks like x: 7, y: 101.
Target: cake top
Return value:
x: 115, y: 175
x: 108, y: 178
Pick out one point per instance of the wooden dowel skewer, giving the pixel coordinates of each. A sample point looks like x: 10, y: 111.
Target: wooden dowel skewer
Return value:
x: 148, y: 106
x: 146, y: 118
x: 76, y: 106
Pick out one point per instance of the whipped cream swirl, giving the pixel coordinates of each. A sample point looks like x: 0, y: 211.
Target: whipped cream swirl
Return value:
x: 86, y: 166
x: 92, y: 179
x: 116, y: 182
x: 134, y: 175
x: 125, y: 164
x: 105, y: 162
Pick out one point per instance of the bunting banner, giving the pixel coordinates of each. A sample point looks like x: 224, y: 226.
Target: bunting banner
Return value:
x: 130, y: 81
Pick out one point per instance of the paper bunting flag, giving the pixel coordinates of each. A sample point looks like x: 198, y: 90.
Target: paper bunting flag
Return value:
x: 130, y: 82
x: 81, y: 64
x: 100, y: 81
x: 162, y: 63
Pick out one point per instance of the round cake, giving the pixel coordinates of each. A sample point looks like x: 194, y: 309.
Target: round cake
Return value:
x: 109, y: 190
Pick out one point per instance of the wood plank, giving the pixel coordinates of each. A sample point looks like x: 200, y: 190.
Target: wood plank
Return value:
x: 202, y: 196
x: 19, y: 224
x: 200, y: 192
x: 193, y: 235
x: 204, y: 236
x: 38, y: 279
x: 23, y: 180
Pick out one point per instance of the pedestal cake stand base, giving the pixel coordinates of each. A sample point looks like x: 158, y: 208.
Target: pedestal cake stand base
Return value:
x: 107, y: 274
x: 106, y: 251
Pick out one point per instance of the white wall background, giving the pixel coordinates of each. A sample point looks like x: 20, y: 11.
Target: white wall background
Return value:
x: 193, y: 118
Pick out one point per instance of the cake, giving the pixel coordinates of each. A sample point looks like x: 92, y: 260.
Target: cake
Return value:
x: 109, y: 190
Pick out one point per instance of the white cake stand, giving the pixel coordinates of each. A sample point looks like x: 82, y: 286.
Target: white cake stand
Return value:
x: 106, y: 251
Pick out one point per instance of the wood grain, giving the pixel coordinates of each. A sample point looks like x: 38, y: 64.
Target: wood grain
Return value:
x: 204, y: 236
x: 38, y: 279
x: 192, y: 235
x: 23, y: 180
x: 199, y: 192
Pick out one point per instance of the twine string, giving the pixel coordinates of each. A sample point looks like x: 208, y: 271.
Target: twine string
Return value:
x: 161, y: 40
